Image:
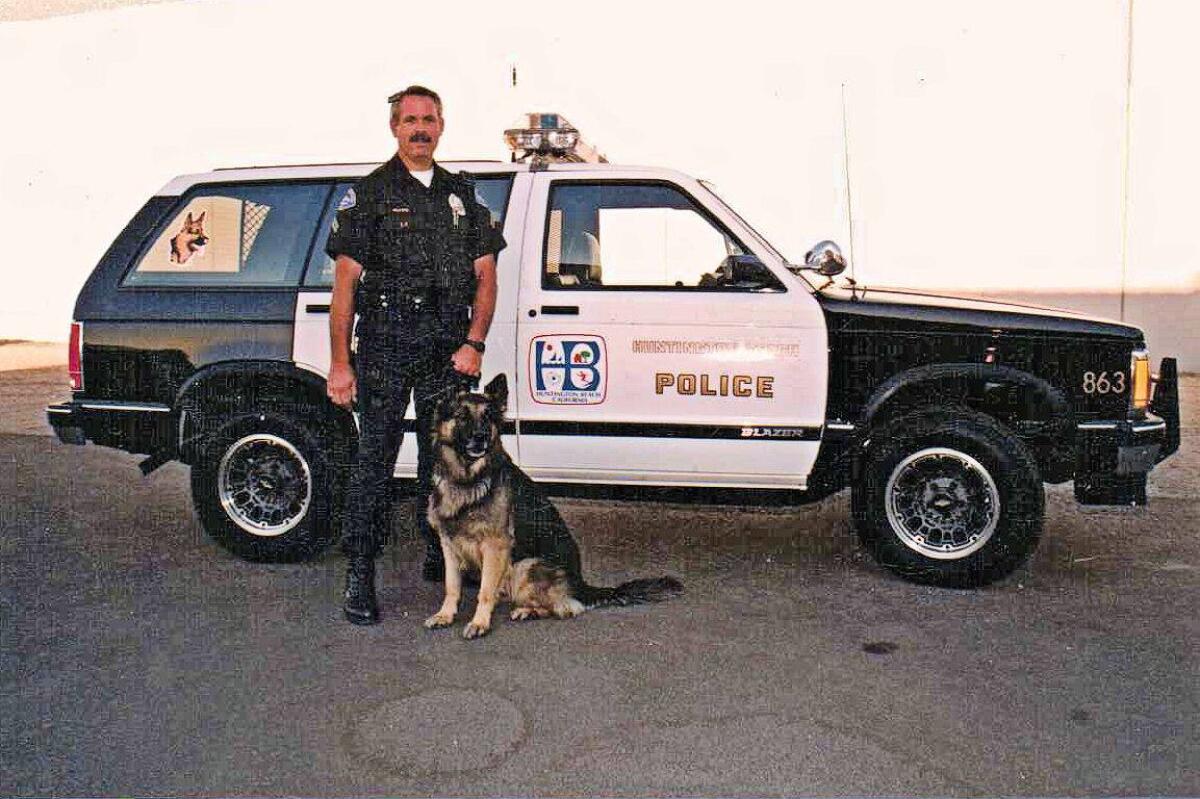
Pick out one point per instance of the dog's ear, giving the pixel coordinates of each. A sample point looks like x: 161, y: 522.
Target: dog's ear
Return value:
x: 448, y: 403
x: 189, y: 220
x: 497, y: 391
x: 444, y: 408
x: 200, y: 219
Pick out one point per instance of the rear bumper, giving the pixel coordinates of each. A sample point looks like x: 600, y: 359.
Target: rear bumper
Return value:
x: 132, y: 426
x: 1113, y: 457
x: 65, y: 422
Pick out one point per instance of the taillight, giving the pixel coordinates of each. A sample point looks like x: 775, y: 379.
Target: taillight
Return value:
x: 75, y: 356
x: 1139, y: 398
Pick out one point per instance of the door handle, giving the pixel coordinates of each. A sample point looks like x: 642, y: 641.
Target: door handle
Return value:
x: 316, y: 308
x: 561, y: 310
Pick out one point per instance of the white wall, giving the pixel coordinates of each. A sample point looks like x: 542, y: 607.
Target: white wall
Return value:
x: 985, y: 139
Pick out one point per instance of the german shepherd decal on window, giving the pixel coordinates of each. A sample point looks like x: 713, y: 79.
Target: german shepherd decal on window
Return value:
x: 190, y: 240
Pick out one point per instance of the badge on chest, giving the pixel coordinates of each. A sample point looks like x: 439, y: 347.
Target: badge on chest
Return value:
x: 457, y: 209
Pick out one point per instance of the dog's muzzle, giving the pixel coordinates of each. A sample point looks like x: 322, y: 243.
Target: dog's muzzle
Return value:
x: 476, y: 447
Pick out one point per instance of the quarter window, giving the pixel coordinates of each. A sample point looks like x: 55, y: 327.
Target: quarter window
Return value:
x: 253, y: 235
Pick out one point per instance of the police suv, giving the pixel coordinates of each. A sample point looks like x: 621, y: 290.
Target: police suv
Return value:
x: 651, y: 338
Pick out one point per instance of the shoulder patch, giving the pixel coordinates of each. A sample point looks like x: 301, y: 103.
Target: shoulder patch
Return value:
x: 348, y: 201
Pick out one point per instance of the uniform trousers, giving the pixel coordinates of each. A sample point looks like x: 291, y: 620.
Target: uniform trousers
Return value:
x: 392, y: 364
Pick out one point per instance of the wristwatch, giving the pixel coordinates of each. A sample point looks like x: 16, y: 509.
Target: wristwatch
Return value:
x: 478, y: 346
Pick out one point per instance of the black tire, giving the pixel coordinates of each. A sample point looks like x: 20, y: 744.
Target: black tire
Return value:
x: 267, y: 486
x: 949, y: 497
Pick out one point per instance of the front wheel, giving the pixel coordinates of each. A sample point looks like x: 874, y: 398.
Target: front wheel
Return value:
x: 266, y: 486
x: 948, y: 497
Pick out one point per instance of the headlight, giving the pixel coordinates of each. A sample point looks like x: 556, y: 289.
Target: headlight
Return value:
x: 1139, y: 398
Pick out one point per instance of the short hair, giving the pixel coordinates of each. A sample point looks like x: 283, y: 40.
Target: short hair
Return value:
x: 413, y: 91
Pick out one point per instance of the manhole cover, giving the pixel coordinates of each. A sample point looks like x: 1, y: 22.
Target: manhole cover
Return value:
x: 438, y: 732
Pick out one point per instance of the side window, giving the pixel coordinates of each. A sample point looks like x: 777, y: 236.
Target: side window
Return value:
x: 492, y: 193
x: 252, y: 235
x: 645, y: 236
x: 490, y: 190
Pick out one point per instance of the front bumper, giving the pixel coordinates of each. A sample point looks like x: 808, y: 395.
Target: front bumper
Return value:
x: 1113, y: 457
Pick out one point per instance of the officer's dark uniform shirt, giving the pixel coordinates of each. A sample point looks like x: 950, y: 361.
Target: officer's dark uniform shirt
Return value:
x: 417, y: 247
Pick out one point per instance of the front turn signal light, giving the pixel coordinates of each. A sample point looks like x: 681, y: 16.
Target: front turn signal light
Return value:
x: 1140, y: 368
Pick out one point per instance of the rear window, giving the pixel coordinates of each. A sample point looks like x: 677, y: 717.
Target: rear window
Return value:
x: 491, y: 190
x: 235, y: 235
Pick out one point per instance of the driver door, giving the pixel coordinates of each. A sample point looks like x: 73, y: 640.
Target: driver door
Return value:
x: 653, y: 346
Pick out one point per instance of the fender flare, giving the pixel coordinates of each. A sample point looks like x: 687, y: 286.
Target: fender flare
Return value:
x: 264, y: 379
x: 1048, y: 403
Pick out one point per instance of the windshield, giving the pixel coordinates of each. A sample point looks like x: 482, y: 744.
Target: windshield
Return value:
x: 758, y: 236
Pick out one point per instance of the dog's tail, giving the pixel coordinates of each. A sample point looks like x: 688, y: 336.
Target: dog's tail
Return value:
x: 634, y: 592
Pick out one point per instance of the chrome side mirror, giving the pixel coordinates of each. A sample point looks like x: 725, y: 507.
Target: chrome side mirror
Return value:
x: 825, y: 258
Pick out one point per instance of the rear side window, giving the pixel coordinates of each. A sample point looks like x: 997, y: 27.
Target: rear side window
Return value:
x: 249, y: 235
x: 490, y: 190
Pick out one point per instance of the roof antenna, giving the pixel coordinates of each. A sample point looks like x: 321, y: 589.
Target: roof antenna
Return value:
x: 1125, y: 149
x: 846, y: 166
x: 512, y: 61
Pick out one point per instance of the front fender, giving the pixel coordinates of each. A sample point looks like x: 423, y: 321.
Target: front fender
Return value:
x: 1025, y: 401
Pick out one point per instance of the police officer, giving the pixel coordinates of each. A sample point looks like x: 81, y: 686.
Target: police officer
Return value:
x: 415, y: 256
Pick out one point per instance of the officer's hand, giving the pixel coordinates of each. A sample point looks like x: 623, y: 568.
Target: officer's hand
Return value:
x: 467, y: 360
x: 341, y: 386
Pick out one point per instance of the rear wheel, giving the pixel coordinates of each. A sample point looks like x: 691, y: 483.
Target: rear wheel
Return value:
x: 266, y: 487
x: 948, y: 497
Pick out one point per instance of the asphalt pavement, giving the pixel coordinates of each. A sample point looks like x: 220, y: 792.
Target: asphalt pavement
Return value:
x: 138, y: 658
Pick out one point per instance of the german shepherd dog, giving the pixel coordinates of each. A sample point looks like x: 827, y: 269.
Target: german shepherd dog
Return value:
x: 189, y: 240
x: 491, y: 518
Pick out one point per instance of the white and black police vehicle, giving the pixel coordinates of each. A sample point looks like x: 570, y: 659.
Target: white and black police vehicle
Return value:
x: 653, y: 341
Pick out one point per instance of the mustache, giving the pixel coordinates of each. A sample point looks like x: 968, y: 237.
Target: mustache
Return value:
x: 420, y: 137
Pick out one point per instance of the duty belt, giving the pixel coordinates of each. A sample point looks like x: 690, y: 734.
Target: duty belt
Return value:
x: 404, y: 302
x: 396, y: 306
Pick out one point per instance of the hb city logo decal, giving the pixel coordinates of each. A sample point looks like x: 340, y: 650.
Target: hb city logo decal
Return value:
x: 568, y: 370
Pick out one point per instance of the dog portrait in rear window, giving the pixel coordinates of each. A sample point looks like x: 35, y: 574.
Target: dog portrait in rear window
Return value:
x: 189, y: 240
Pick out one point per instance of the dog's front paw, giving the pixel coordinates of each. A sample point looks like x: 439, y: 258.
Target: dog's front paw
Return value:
x: 438, y: 620
x: 476, y: 630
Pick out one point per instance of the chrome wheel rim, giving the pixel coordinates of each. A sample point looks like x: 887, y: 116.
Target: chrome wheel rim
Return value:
x: 264, y: 484
x: 942, y: 503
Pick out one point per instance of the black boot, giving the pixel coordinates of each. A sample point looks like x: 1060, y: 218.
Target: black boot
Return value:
x: 360, y: 605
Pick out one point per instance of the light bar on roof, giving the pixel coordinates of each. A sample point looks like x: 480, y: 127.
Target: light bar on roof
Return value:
x: 549, y: 137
